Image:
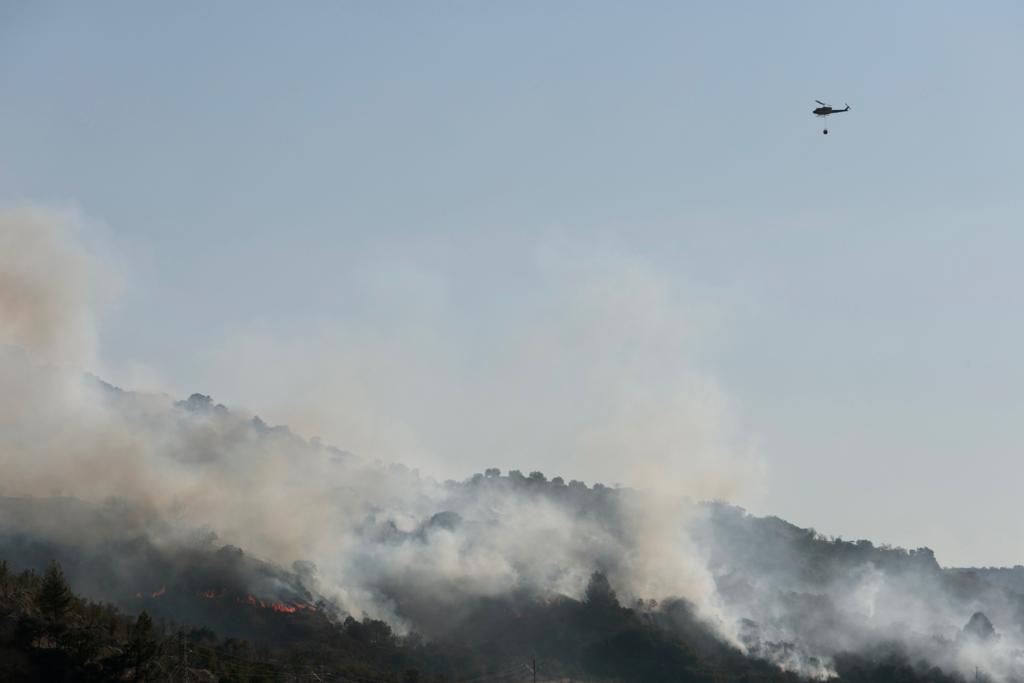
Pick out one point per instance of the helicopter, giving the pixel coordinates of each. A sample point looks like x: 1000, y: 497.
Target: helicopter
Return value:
x: 827, y: 109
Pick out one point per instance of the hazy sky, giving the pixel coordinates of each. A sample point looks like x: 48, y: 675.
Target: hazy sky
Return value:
x: 590, y: 238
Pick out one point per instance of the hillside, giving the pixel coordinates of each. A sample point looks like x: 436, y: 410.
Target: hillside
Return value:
x: 211, y: 519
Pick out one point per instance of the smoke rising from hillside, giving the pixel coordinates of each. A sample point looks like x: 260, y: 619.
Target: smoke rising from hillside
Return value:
x: 595, y: 373
x: 279, y: 497
x: 51, y: 288
x: 386, y: 541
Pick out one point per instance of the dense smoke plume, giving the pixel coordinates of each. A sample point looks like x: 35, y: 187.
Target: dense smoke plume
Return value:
x: 803, y: 600
x: 195, y: 465
x: 158, y: 494
x: 51, y: 289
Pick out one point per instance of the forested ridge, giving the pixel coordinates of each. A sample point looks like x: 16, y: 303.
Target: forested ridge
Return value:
x: 306, y: 562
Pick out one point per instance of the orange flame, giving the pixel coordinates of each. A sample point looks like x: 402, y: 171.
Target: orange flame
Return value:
x: 157, y: 594
x: 282, y: 607
x: 253, y: 601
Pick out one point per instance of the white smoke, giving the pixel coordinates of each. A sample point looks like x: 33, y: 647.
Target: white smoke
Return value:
x: 597, y: 377
x: 600, y: 376
x: 52, y: 290
x: 594, y: 374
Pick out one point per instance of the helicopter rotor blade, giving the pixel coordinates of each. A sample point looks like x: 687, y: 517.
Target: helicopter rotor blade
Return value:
x: 821, y: 103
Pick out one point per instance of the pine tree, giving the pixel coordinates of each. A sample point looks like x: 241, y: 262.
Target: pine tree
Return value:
x: 54, y: 596
x: 599, y: 592
x: 142, y: 648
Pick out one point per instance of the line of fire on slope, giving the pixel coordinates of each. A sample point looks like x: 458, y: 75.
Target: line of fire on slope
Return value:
x: 284, y: 607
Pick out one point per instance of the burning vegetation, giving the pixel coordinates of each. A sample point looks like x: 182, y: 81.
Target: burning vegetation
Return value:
x: 491, y: 570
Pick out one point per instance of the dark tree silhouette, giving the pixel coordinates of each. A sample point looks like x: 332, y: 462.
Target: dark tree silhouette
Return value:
x: 54, y: 594
x: 599, y: 592
x: 142, y: 648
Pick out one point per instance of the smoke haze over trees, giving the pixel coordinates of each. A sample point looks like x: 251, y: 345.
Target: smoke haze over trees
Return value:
x: 186, y: 512
x: 451, y: 561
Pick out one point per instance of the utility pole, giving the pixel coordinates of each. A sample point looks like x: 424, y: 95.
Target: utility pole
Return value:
x: 534, y: 670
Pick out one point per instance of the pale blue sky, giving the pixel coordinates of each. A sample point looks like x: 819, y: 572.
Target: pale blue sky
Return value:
x: 284, y: 171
